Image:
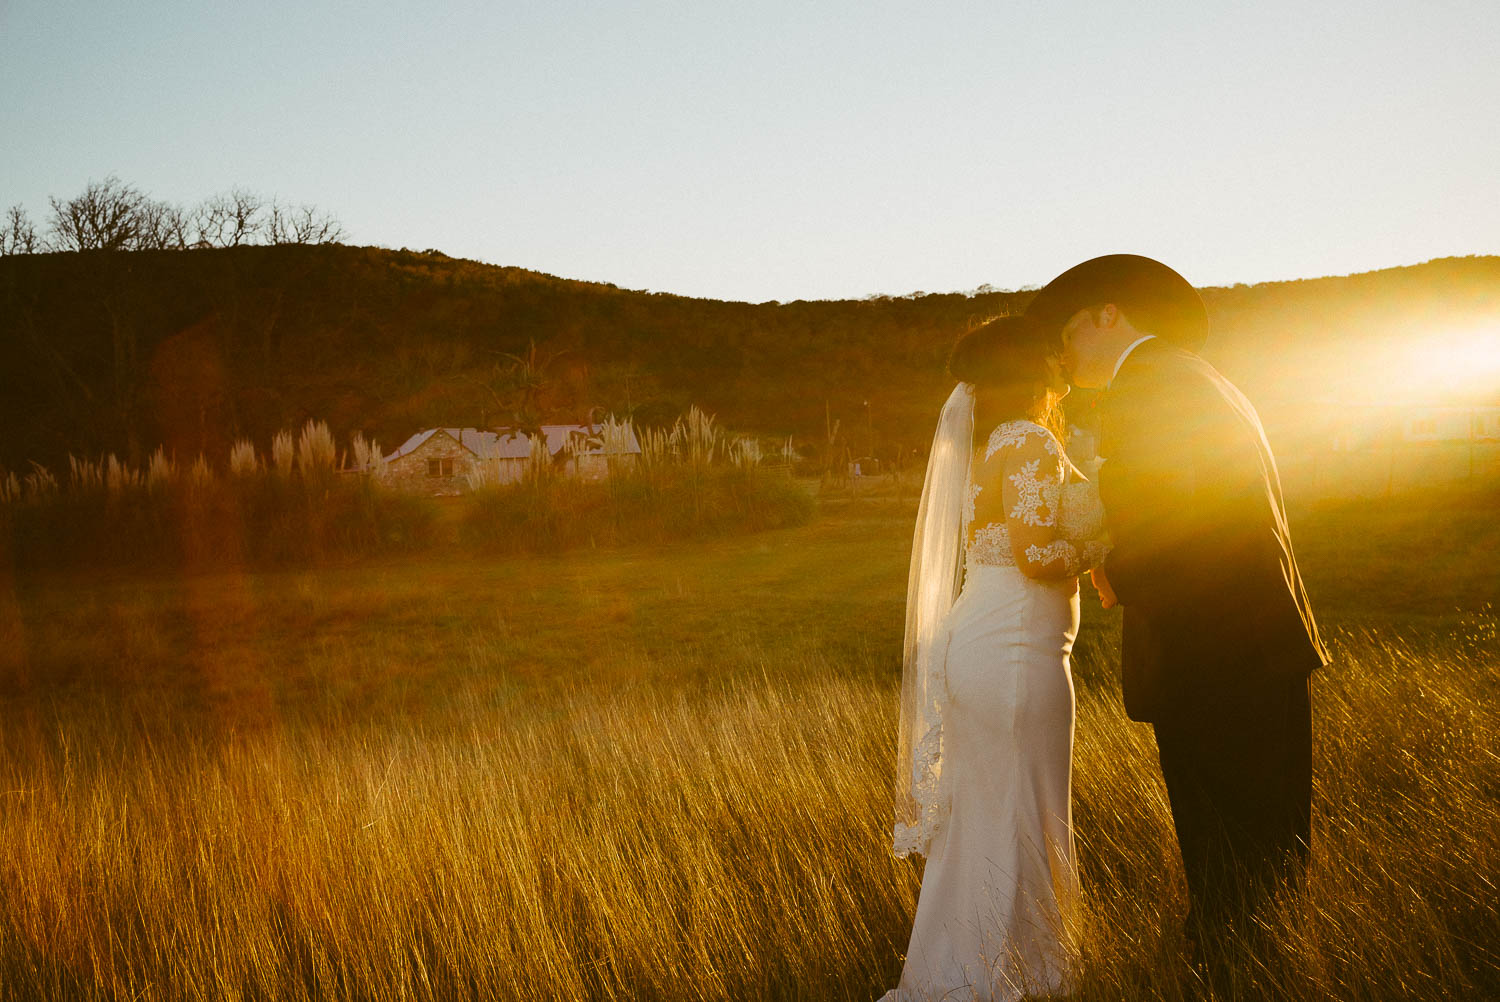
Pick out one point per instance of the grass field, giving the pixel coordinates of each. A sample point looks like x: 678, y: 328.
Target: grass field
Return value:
x: 664, y: 774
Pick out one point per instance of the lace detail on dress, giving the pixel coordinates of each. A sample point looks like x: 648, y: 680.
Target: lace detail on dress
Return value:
x: 1080, y: 519
x: 1058, y: 549
x: 991, y: 547
x: 1080, y: 514
x: 1094, y: 552
x: 1037, y: 492
x: 971, y: 494
x: 926, y: 779
x: 1043, y: 502
x: 1015, y: 433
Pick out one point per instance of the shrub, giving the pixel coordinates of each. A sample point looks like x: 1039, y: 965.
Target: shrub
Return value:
x: 299, y: 509
x: 691, y: 482
x: 306, y: 505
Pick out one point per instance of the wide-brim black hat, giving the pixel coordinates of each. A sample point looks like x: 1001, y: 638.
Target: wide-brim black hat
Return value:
x: 1155, y: 298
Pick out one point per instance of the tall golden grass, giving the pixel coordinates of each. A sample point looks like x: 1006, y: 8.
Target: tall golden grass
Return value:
x: 664, y: 774
x: 712, y: 842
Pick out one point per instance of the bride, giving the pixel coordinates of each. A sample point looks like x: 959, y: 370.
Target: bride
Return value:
x: 986, y: 738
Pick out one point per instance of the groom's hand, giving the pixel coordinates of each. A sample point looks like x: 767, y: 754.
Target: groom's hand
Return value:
x: 1101, y: 585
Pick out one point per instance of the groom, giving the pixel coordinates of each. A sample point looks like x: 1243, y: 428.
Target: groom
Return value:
x: 1218, y: 638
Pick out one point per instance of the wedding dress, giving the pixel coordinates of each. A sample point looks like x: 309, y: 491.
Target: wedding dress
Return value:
x: 991, y: 759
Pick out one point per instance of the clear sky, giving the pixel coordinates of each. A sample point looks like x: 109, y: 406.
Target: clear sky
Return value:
x: 767, y: 150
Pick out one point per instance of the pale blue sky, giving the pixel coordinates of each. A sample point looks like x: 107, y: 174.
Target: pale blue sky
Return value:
x: 765, y: 150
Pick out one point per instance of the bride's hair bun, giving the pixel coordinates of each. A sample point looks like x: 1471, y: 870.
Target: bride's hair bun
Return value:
x: 1000, y: 351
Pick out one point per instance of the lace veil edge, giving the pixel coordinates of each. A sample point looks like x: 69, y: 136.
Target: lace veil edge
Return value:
x: 932, y: 586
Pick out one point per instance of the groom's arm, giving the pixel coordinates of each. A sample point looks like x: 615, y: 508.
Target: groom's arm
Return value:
x: 1173, y: 491
x: 1140, y: 489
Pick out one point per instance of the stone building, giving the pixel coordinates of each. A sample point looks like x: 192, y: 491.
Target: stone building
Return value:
x: 447, y: 461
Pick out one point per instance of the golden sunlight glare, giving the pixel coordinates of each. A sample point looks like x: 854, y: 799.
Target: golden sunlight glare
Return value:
x: 1460, y: 365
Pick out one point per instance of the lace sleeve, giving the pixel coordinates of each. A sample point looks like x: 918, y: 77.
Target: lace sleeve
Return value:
x: 1080, y: 520
x: 1034, y: 471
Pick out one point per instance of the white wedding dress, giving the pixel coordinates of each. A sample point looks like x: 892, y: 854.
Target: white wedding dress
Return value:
x: 996, y: 918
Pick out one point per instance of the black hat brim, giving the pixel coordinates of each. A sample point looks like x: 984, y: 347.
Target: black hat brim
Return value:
x: 1156, y: 299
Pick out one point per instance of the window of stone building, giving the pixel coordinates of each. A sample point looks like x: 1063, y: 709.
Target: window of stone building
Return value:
x: 440, y: 467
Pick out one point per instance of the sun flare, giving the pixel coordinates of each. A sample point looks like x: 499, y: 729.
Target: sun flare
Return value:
x: 1460, y: 365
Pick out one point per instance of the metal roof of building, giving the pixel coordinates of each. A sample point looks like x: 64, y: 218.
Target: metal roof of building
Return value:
x: 508, y: 444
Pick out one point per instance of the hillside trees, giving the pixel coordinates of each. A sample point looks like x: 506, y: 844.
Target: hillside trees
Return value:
x: 17, y: 232
x: 107, y: 215
x: 120, y: 352
x: 230, y: 219
x: 112, y: 215
x: 97, y: 360
x: 301, y: 224
x: 163, y: 226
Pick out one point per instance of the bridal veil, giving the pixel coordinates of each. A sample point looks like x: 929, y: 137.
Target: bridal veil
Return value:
x: 932, y: 587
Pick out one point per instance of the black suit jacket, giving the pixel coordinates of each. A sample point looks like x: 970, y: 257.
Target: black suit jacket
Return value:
x: 1214, y: 607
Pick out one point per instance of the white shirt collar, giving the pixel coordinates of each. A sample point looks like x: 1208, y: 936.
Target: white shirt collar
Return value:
x: 1126, y: 354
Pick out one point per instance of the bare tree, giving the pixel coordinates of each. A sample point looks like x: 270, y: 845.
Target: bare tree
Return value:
x: 229, y: 219
x: 17, y: 234
x: 107, y: 216
x: 302, y: 224
x: 163, y: 226
x: 112, y: 215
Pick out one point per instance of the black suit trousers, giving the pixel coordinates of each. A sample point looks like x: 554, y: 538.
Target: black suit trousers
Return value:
x: 1239, y: 778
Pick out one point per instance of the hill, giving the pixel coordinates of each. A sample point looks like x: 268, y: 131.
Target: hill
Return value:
x: 191, y: 349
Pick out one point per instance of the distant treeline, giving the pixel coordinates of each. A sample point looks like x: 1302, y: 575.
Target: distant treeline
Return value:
x: 111, y: 215
x: 121, y: 352
x: 191, y: 350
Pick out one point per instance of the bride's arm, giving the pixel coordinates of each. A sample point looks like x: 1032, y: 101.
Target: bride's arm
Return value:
x: 1080, y: 520
x: 1031, y: 485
